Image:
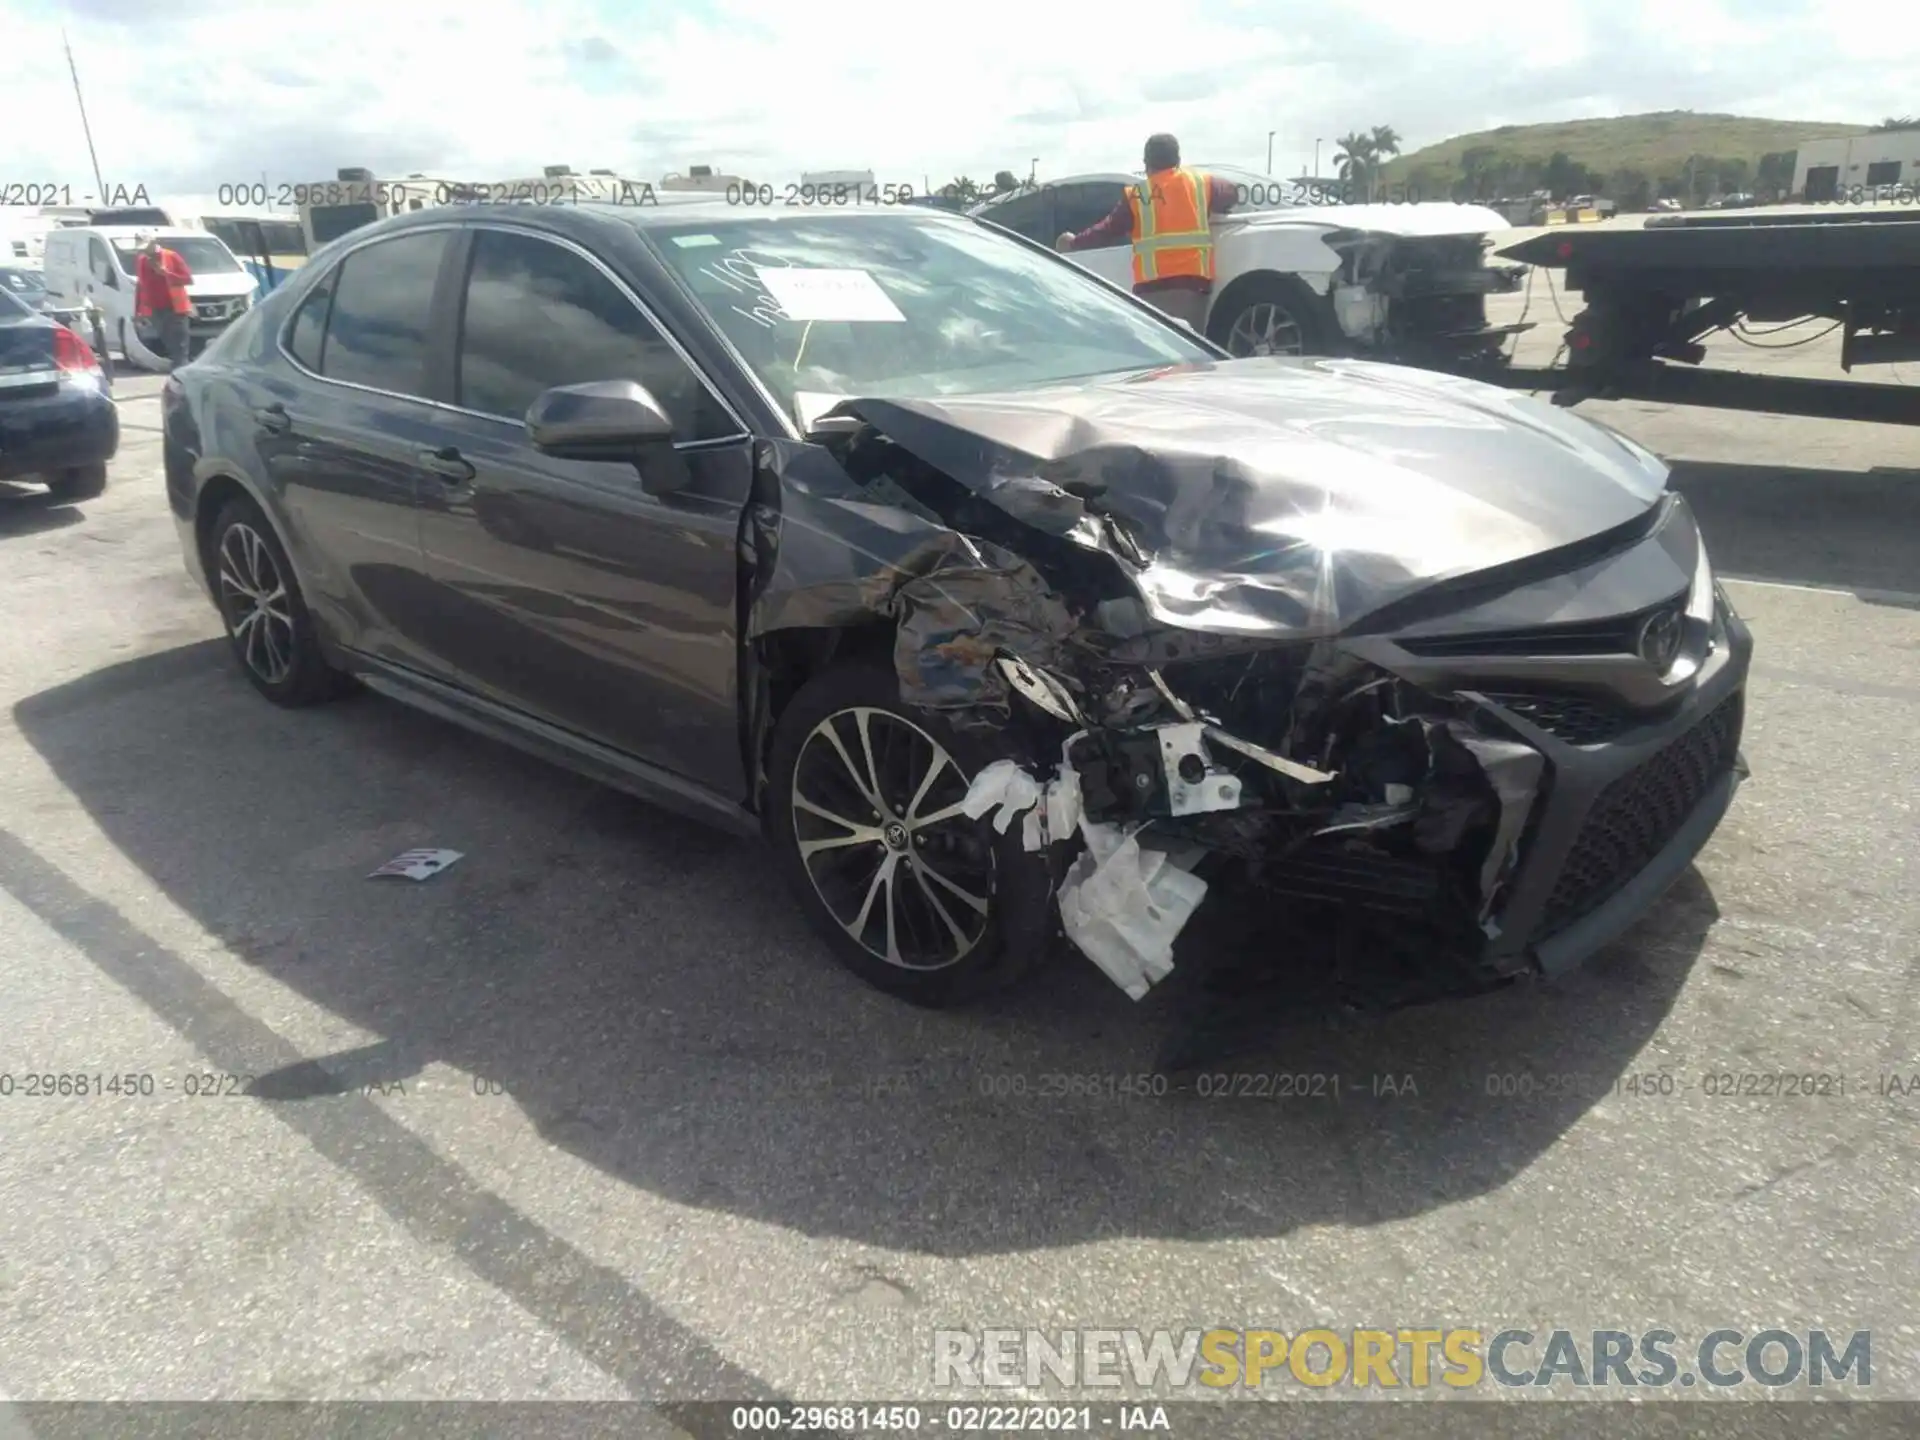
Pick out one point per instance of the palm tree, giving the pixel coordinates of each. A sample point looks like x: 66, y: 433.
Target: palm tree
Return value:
x: 1355, y: 157
x: 1386, y: 143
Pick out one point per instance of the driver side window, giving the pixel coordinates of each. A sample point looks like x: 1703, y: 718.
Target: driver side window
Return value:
x: 1030, y: 215
x: 105, y: 272
x: 537, y: 315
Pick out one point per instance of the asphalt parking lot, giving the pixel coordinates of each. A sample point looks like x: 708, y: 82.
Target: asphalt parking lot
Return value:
x: 589, y: 1116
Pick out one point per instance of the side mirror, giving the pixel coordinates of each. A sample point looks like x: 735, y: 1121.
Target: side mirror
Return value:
x: 597, y: 420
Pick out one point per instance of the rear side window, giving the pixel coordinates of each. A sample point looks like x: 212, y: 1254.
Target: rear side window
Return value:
x: 309, y: 326
x: 538, y: 315
x: 1030, y: 215
x: 1082, y: 206
x: 376, y: 331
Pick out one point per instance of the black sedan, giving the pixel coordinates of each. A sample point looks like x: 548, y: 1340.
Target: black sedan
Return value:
x: 1004, y: 607
x: 29, y: 286
x: 58, y: 424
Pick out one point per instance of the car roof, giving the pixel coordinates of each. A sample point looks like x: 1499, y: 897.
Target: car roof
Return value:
x: 563, y: 218
x: 129, y: 232
x: 1109, y: 177
x: 646, y: 217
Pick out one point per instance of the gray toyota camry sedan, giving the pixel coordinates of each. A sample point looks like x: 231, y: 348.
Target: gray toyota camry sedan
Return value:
x: 1019, y: 620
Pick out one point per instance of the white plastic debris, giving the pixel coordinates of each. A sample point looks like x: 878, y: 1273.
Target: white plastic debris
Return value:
x: 1005, y: 785
x: 1064, y: 806
x: 1123, y: 904
x: 417, y: 864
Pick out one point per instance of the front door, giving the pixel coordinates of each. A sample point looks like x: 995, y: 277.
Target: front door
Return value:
x: 568, y: 589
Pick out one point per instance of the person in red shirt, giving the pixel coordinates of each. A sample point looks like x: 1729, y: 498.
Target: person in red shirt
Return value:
x: 1177, y: 281
x: 160, y: 292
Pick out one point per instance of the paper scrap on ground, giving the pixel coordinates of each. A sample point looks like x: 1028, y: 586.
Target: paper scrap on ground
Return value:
x: 417, y: 864
x: 827, y: 294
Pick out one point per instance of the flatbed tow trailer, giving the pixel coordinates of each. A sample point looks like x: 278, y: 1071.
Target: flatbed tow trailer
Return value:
x: 1639, y: 337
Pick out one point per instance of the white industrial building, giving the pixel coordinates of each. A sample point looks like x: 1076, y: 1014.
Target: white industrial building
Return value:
x: 1824, y: 170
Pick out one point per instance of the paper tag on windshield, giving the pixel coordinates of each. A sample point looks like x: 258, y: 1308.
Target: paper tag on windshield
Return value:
x: 827, y: 294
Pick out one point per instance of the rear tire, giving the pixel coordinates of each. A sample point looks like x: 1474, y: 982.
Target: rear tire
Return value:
x: 1274, y: 311
x: 935, y: 911
x: 267, y: 621
x: 82, y: 482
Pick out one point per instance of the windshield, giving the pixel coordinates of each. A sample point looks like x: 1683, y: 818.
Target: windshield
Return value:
x: 904, y: 305
x: 25, y: 283
x: 204, y: 254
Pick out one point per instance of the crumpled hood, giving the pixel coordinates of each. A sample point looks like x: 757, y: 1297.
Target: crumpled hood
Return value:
x: 1283, y: 496
x: 1428, y: 218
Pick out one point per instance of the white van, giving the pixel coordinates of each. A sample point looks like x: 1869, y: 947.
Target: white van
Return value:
x: 97, y: 263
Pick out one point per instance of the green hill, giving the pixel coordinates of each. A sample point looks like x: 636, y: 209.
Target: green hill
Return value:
x: 1614, y: 153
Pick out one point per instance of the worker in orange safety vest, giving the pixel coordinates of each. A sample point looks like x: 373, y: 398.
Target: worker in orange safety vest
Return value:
x: 1169, y: 218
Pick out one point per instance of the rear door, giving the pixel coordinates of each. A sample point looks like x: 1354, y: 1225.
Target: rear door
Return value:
x: 565, y: 589
x: 340, y: 432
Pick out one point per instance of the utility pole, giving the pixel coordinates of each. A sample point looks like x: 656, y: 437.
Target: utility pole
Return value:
x: 1316, y: 157
x: 1269, y: 169
x: 85, y: 128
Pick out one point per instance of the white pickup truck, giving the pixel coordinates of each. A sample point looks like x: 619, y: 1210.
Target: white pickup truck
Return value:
x: 1295, y: 276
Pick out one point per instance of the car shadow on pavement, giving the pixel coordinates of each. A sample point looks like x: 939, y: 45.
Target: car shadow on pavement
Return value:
x: 1850, y: 529
x: 28, y: 510
x: 645, y: 992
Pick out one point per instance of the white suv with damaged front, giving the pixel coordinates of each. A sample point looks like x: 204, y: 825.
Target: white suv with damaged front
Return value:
x: 1309, y: 268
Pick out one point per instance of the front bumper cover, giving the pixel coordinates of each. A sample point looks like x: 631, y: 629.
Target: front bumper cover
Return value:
x: 1546, y: 922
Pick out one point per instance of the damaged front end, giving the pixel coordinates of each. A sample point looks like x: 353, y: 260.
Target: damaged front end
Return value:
x: 1297, y: 778
x: 1160, y: 635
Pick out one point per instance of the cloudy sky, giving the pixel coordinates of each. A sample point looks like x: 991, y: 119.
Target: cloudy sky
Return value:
x: 185, y: 95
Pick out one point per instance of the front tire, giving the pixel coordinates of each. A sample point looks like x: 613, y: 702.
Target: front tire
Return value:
x: 1271, y: 315
x: 268, y: 625
x: 909, y: 894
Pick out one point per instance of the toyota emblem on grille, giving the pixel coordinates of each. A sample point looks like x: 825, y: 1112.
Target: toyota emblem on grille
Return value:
x: 1659, y: 638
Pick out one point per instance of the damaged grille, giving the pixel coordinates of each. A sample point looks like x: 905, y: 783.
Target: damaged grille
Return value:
x: 1637, y: 814
x: 1614, y: 635
x: 1576, y: 719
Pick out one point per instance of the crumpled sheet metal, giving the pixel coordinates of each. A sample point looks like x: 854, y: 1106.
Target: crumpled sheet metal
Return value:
x: 954, y: 622
x: 1263, y: 498
x: 830, y: 557
x: 1515, y: 771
